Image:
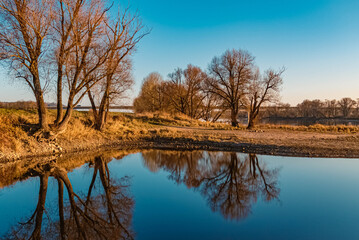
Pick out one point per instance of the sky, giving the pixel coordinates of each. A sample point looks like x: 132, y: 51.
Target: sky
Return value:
x: 317, y: 41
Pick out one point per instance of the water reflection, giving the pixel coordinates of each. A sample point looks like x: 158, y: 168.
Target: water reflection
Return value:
x: 229, y: 182
x: 106, y: 215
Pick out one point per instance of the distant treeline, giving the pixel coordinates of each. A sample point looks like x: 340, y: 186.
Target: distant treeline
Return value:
x: 26, y: 105
x: 343, y: 108
x: 30, y: 105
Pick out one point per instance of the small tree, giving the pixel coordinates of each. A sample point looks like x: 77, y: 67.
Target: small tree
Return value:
x: 310, y: 108
x: 261, y: 90
x: 122, y: 36
x: 175, y: 91
x: 184, y: 91
x: 331, y: 108
x: 228, y: 75
x: 109, y: 90
x: 151, y: 97
x: 345, y: 105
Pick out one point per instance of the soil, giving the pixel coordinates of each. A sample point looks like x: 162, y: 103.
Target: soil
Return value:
x: 279, y: 142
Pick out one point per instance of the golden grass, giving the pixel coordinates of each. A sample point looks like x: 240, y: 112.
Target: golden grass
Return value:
x: 16, y: 129
x: 11, y: 134
x: 314, y: 128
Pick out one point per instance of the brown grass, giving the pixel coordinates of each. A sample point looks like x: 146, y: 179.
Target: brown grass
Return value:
x: 314, y: 128
x: 17, y: 128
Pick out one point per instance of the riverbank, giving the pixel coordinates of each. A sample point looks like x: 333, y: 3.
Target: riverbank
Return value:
x: 128, y: 131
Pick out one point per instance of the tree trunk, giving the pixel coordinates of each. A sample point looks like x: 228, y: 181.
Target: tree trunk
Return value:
x: 36, y: 234
x: 251, y: 120
x: 100, y: 121
x: 63, y: 124
x: 94, y: 109
x: 41, y: 107
x: 250, y: 124
x: 59, y: 114
x: 61, y: 208
x: 234, y: 114
x: 102, y: 111
x: 107, y: 110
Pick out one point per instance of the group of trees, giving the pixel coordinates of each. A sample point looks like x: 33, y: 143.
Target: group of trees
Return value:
x: 230, y: 82
x: 343, y: 108
x: 79, y: 46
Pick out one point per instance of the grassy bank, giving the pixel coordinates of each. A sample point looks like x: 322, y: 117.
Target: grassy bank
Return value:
x: 19, y: 137
x: 18, y: 132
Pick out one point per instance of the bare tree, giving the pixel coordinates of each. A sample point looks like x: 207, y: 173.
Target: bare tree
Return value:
x: 213, y: 106
x: 229, y: 183
x: 67, y: 15
x: 331, y: 108
x: 357, y: 107
x: 108, y: 91
x: 122, y: 36
x: 184, y: 91
x: 104, y: 214
x: 175, y: 91
x: 261, y: 90
x: 25, y: 27
x: 228, y: 75
x: 310, y: 108
x: 345, y: 105
x: 86, y: 43
x: 87, y: 55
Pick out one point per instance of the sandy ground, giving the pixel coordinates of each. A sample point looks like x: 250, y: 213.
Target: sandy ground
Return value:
x: 280, y: 142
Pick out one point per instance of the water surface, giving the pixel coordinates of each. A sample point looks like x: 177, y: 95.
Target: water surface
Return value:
x: 157, y: 194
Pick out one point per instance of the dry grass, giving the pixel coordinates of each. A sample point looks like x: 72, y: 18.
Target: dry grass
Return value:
x: 314, y: 128
x: 12, y: 134
x: 18, y: 126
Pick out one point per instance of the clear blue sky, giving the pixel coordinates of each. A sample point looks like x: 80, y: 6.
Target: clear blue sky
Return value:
x: 316, y: 40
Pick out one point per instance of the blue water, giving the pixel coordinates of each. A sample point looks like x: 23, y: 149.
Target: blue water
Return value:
x: 195, y: 195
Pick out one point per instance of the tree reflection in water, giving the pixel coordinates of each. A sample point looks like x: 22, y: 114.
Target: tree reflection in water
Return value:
x: 106, y: 215
x: 230, y: 184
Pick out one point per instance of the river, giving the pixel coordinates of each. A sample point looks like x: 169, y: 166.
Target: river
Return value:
x: 156, y: 194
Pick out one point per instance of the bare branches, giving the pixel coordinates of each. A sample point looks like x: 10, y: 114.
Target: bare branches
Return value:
x: 25, y: 27
x: 151, y: 97
x: 345, y: 105
x: 182, y: 93
x: 122, y: 35
x: 228, y: 76
x: 80, y: 39
x: 105, y: 214
x: 260, y: 90
x: 230, y: 183
x: 231, y: 82
x: 99, y: 49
